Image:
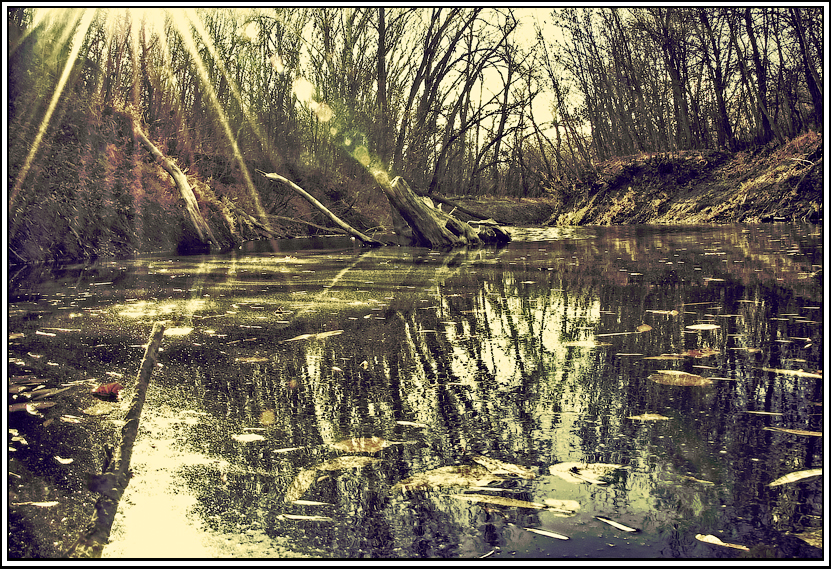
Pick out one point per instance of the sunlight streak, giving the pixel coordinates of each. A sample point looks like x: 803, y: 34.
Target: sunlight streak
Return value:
x: 77, y: 42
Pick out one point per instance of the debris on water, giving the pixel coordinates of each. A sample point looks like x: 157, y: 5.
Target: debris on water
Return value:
x: 547, y: 533
x: 616, y: 525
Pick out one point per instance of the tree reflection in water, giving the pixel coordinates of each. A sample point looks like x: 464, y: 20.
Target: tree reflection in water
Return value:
x: 528, y: 354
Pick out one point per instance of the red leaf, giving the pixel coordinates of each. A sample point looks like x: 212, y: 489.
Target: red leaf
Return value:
x: 108, y: 391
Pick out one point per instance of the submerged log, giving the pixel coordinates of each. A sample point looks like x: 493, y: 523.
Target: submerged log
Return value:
x: 311, y: 199
x: 116, y: 472
x: 430, y: 226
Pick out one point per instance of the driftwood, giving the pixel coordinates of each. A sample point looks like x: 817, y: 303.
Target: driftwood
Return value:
x: 116, y: 472
x: 430, y: 226
x: 197, y: 221
x: 309, y: 198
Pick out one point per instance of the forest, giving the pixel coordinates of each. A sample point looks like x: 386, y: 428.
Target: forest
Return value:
x: 497, y: 102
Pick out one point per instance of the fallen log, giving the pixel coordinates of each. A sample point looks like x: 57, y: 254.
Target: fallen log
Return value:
x: 197, y: 222
x: 311, y: 199
x: 430, y: 226
x: 116, y: 471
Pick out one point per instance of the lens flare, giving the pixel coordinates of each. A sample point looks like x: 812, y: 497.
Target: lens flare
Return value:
x: 303, y: 89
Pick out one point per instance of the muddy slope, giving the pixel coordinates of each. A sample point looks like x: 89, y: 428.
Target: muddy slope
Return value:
x: 782, y: 183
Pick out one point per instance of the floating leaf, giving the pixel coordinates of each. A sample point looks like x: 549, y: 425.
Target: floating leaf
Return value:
x: 412, y: 424
x: 317, y: 336
x: 281, y: 450
x: 703, y: 327
x: 796, y: 476
x: 577, y: 472
x: 499, y: 501
x: 248, y: 438
x: 16, y: 335
x: 64, y: 460
x: 644, y: 328
x: 301, y: 483
x: 547, y: 533
x: 36, y: 504
x: 306, y: 518
x: 648, y: 417
x: 666, y: 312
x: 464, y: 475
x: 713, y: 540
x: 310, y: 503
x: 108, y: 391
x: 253, y: 360
x: 675, y: 377
x: 614, y: 524
x: 585, y: 344
x: 499, y: 467
x: 794, y: 431
x: 794, y: 372
x: 702, y: 353
x: 370, y: 444
x: 31, y: 408
x: 763, y: 413
x: 693, y: 479
x: 562, y: 506
x: 666, y: 357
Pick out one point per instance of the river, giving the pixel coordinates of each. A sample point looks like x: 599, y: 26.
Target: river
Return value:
x: 313, y: 398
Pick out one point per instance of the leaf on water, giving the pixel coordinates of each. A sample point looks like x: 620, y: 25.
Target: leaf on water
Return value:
x: 36, y: 504
x: 310, y: 503
x: 568, y: 507
x: 693, y: 479
x: 703, y: 327
x: 649, y: 417
x: 281, y: 450
x: 675, y: 377
x: 666, y: 312
x: 253, y: 360
x: 585, y: 344
x: 16, y: 335
x: 577, y: 472
x: 344, y: 462
x: 702, y: 353
x: 616, y: 525
x: 763, y: 413
x: 248, y: 438
x: 644, y: 328
x: 794, y: 431
x: 666, y: 357
x: 794, y: 372
x: 713, y: 540
x: 64, y: 460
x: 108, y: 391
x: 301, y: 483
x: 413, y: 424
x: 796, y: 476
x: 498, y: 467
x: 31, y: 408
x: 547, y: 533
x: 464, y: 475
x: 499, y: 501
x: 306, y: 518
x: 317, y: 336
x: 370, y: 444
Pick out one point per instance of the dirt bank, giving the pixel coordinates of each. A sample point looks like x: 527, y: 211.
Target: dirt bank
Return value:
x: 781, y: 183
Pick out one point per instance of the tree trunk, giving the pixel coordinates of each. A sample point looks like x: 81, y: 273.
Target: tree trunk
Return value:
x: 309, y: 198
x: 432, y: 227
x: 202, y: 231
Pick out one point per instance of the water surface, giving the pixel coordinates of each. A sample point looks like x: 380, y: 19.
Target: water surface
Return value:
x: 535, y: 354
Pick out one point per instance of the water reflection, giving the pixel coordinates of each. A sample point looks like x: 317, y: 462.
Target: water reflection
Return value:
x: 529, y: 354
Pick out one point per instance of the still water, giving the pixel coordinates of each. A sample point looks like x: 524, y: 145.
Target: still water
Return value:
x: 307, y: 389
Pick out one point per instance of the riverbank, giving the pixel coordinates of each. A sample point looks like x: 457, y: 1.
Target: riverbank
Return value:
x: 783, y: 183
